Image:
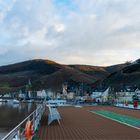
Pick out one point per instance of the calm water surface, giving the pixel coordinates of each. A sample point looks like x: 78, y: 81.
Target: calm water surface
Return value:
x: 11, y: 114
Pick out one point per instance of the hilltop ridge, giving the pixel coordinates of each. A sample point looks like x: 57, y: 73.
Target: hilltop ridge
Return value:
x: 51, y: 75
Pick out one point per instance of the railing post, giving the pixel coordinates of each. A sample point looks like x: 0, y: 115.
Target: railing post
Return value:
x: 36, y: 119
x: 17, y: 135
x: 34, y: 124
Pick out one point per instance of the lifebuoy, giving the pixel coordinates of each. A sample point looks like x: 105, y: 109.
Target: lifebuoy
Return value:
x: 28, y: 133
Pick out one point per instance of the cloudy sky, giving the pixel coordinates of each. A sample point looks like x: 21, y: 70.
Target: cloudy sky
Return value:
x: 95, y: 32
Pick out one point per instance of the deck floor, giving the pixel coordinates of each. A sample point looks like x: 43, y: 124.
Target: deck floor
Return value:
x: 80, y: 124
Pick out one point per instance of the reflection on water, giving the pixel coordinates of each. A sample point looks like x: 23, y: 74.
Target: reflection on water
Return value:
x: 11, y: 114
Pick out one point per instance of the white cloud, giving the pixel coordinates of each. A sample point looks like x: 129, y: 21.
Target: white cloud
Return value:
x: 59, y: 27
x: 80, y: 31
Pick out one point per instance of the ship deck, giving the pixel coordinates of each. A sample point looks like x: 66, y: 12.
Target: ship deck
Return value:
x: 81, y: 124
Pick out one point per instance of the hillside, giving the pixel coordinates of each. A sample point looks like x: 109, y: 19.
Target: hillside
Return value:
x: 95, y: 71
x: 128, y: 76
x: 38, y: 65
x: 51, y: 75
x: 99, y: 72
x: 17, y: 75
x: 42, y: 73
x: 55, y: 80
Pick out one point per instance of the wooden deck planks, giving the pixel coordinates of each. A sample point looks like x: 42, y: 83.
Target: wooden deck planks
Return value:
x: 80, y: 124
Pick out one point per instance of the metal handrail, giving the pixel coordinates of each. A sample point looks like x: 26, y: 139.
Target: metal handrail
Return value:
x: 18, y: 133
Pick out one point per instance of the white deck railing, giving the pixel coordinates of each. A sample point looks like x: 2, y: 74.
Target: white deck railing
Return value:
x: 18, y: 132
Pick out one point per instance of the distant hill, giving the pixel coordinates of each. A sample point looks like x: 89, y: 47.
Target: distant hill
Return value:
x: 99, y: 72
x: 95, y: 71
x: 127, y: 76
x: 55, y: 80
x: 51, y: 75
x: 17, y: 75
x: 42, y: 73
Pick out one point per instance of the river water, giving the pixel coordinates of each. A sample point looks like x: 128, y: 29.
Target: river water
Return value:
x: 11, y: 114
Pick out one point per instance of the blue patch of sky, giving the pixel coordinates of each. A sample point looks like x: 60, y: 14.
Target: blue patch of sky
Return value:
x: 65, y: 6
